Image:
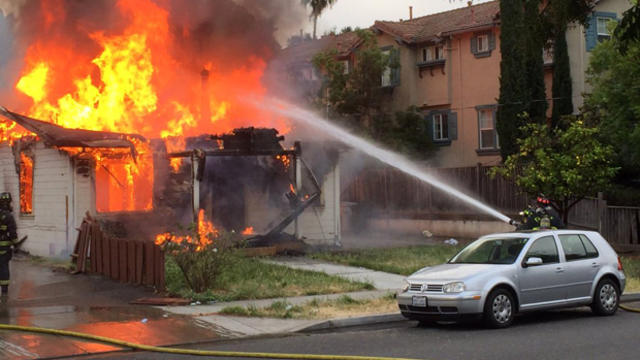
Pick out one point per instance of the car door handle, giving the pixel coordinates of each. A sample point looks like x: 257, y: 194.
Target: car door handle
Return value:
x: 595, y: 264
x: 559, y: 269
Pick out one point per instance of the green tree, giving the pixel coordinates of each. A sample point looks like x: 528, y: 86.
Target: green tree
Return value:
x: 564, y: 165
x: 356, y: 94
x: 512, y: 79
x: 534, y: 40
x: 628, y: 31
x: 614, y: 102
x: 561, y: 86
x: 317, y: 7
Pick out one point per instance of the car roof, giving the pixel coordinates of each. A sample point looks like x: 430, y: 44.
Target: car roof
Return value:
x: 529, y: 233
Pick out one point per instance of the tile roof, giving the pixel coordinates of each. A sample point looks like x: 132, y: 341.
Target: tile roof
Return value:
x: 426, y: 28
x: 305, y: 50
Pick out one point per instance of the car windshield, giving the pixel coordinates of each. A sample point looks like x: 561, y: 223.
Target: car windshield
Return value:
x: 490, y: 251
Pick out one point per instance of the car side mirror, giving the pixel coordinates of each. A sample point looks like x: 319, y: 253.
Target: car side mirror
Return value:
x: 533, y: 261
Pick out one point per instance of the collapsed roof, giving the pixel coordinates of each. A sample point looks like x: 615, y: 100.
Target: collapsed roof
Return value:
x: 56, y: 135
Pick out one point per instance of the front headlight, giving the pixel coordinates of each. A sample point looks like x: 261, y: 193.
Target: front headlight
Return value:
x: 454, y: 287
x: 405, y: 287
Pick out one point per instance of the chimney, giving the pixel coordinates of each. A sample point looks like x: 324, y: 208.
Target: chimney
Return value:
x: 205, y: 108
x: 410, y: 12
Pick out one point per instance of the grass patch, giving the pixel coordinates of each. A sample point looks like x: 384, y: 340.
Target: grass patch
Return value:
x: 631, y: 266
x: 404, y: 261
x: 344, y: 306
x: 249, y: 278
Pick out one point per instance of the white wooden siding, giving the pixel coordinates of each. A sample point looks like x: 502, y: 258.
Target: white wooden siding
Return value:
x: 49, y: 229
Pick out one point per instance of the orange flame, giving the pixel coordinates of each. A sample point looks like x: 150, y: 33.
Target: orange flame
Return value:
x: 207, y: 233
x: 248, y: 231
x: 26, y: 184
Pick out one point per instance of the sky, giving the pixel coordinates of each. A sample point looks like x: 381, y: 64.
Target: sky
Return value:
x: 363, y: 13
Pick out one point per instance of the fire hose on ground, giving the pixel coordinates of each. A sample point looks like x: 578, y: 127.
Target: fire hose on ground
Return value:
x: 169, y: 350
x: 214, y: 353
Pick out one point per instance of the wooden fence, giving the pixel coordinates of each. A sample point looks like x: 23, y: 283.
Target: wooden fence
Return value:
x: 397, y: 194
x: 127, y: 261
x: 394, y: 194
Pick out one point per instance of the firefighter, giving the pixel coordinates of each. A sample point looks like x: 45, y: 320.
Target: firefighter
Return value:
x: 549, y: 217
x: 8, y: 238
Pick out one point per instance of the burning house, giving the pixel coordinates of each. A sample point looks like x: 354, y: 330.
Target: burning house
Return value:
x: 144, y: 113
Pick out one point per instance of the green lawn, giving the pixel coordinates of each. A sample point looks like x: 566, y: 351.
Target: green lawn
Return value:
x: 631, y: 266
x: 250, y: 278
x: 405, y: 260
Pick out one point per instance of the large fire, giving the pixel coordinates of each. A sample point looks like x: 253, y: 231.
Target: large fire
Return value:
x: 134, y: 81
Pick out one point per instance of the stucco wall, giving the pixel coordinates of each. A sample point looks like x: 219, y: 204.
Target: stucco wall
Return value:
x: 578, y: 54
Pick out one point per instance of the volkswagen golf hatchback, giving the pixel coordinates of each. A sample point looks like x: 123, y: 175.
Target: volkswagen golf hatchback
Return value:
x: 500, y: 275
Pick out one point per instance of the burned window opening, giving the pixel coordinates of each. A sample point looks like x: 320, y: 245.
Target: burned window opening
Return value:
x: 26, y: 183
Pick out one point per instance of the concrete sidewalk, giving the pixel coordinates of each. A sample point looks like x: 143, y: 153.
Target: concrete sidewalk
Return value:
x: 247, y: 326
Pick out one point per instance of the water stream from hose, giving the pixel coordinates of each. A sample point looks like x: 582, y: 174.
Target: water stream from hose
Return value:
x: 388, y: 157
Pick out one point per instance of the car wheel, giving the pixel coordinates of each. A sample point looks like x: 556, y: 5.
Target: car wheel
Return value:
x: 499, y: 309
x: 606, y: 298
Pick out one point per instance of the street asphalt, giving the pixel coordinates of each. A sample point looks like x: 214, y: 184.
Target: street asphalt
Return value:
x: 561, y: 334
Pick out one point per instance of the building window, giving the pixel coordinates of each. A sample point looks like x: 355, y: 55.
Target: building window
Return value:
x: 386, y: 73
x: 26, y: 184
x: 603, y: 28
x: 488, y: 136
x: 431, y: 53
x: 440, y: 127
x: 483, y: 42
x: 346, y: 68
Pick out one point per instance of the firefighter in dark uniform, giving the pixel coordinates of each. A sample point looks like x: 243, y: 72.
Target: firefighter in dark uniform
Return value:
x: 8, y: 238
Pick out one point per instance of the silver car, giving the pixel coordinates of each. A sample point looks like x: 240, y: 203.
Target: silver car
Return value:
x: 500, y: 275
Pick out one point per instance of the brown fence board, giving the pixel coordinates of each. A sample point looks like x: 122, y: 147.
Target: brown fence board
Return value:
x: 139, y: 261
x: 147, y: 277
x: 96, y: 253
x: 131, y: 261
x: 122, y: 260
x: 115, y: 266
x: 106, y: 256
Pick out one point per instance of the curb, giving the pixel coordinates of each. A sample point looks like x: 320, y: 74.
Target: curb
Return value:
x: 632, y: 297
x: 354, y: 321
x: 396, y: 317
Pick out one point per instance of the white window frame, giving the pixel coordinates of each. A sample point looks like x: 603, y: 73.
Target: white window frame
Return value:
x: 491, y: 114
x: 432, y: 53
x: 346, y: 64
x: 440, y: 121
x: 386, y: 73
x: 482, y: 39
x: 605, y: 32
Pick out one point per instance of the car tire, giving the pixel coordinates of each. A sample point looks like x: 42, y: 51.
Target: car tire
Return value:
x: 499, y: 309
x: 606, y: 298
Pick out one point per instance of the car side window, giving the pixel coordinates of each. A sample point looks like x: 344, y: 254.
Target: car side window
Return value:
x: 592, y: 252
x: 544, y: 248
x: 577, y: 247
x: 572, y: 246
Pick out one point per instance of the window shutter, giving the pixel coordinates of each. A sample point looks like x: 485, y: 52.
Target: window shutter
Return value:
x: 492, y: 41
x: 474, y: 44
x: 395, y: 70
x: 428, y: 120
x: 591, y: 32
x: 453, y: 125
